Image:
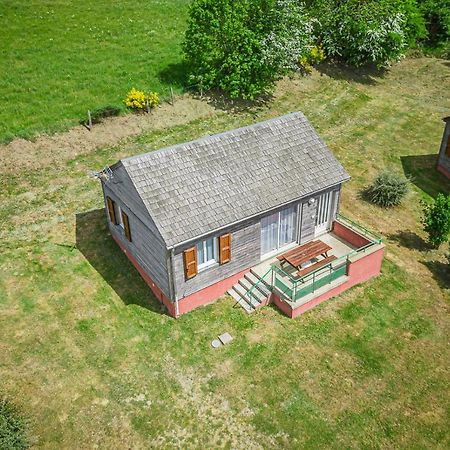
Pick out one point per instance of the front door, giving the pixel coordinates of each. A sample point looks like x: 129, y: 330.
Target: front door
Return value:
x: 278, y: 230
x: 323, y: 213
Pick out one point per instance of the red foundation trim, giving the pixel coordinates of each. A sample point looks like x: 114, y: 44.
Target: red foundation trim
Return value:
x: 208, y: 294
x: 443, y: 170
x: 358, y: 271
x: 186, y: 304
x: 152, y: 285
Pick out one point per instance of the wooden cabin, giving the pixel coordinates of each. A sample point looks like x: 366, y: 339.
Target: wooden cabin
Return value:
x: 196, y: 217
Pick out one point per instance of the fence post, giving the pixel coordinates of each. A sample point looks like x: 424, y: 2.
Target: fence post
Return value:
x: 171, y: 96
x: 89, y: 120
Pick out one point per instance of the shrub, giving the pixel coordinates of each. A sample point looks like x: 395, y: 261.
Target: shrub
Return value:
x: 361, y: 32
x: 243, y: 47
x: 437, y: 19
x: 136, y: 99
x: 388, y: 189
x: 315, y: 56
x: 12, y: 428
x: 436, y: 220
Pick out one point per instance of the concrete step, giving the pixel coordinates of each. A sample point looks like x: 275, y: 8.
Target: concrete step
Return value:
x: 248, y: 308
x: 251, y: 291
x: 265, y: 282
x: 260, y: 285
x: 242, y: 291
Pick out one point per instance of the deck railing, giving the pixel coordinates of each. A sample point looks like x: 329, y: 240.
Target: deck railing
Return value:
x: 294, y: 289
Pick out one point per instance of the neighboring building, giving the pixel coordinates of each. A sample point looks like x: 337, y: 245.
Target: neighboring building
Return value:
x: 443, y: 162
x: 195, y: 218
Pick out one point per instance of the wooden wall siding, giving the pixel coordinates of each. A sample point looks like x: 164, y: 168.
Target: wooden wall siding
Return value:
x: 443, y: 159
x: 245, y: 253
x: 146, y: 246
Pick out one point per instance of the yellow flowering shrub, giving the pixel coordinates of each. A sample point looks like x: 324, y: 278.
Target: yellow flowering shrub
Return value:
x: 136, y: 99
x: 316, y: 55
x: 153, y: 99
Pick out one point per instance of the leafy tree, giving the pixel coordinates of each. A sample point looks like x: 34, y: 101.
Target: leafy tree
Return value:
x: 436, y: 14
x: 363, y: 32
x: 243, y: 46
x: 436, y: 220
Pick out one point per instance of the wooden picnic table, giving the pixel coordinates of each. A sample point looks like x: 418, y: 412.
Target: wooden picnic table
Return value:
x: 299, y: 255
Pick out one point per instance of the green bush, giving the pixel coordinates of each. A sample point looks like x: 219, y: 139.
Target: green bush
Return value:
x: 361, y: 32
x: 436, y: 14
x: 388, y: 189
x: 436, y: 220
x: 12, y: 428
x: 243, y: 46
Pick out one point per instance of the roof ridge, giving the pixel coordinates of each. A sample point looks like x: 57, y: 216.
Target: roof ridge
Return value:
x: 233, y: 131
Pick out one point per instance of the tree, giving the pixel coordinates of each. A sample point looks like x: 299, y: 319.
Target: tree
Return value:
x: 361, y: 32
x: 436, y: 14
x: 436, y: 220
x: 243, y: 46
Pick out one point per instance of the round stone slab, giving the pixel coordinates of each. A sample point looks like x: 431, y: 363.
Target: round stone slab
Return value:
x: 216, y: 343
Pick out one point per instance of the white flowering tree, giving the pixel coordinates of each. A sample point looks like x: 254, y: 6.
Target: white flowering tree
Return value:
x: 364, y: 31
x: 291, y: 36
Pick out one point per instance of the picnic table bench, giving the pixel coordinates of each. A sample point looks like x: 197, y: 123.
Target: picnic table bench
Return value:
x: 299, y: 255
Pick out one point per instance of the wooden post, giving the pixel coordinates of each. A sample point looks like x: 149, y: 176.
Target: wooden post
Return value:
x: 89, y: 120
x: 171, y: 96
x: 201, y: 89
x: 148, y: 106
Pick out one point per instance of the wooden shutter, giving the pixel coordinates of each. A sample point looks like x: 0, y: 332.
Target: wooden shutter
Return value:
x: 225, y: 248
x: 111, y: 210
x: 190, y: 262
x: 126, y: 226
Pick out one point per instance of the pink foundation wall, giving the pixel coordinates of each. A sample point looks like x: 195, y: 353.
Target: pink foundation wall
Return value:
x: 443, y: 170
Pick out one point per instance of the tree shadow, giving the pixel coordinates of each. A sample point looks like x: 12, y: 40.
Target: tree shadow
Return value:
x: 410, y: 240
x: 363, y: 75
x: 421, y: 170
x: 175, y: 75
x: 440, y: 272
x: 95, y: 242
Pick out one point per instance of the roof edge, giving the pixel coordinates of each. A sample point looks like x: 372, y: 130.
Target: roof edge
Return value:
x: 214, y: 135
x: 173, y: 246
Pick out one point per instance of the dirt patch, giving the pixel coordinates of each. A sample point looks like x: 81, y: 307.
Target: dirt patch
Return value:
x: 56, y: 149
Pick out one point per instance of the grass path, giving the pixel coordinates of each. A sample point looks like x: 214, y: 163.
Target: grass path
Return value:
x: 86, y: 352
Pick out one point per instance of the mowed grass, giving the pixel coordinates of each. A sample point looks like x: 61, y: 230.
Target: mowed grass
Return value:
x: 59, y: 59
x: 87, y: 352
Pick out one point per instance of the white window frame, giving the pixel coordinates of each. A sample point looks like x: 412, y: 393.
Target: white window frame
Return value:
x: 120, y: 221
x: 212, y: 261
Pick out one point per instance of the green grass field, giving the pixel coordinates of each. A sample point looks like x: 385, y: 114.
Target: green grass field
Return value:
x: 59, y: 59
x: 90, y: 359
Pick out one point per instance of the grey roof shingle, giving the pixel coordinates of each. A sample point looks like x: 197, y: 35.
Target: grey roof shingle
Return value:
x: 196, y: 187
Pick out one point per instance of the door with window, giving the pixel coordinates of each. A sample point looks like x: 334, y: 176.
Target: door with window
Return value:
x: 278, y: 230
x: 323, y: 213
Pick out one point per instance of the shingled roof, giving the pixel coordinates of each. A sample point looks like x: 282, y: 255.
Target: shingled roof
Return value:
x: 197, y: 187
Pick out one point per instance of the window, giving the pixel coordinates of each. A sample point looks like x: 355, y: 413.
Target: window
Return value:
x: 206, y: 253
x: 278, y: 230
x: 119, y: 216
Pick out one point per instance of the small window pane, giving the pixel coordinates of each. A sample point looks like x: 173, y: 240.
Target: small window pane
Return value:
x: 210, y: 249
x: 200, y: 253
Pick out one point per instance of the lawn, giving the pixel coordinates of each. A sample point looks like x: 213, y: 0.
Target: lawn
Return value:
x: 59, y: 59
x: 91, y: 359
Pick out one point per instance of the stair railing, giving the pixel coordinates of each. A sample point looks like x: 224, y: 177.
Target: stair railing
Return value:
x: 260, y: 280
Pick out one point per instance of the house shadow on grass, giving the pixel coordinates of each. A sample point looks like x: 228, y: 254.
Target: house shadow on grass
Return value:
x: 421, y: 170
x: 95, y: 242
